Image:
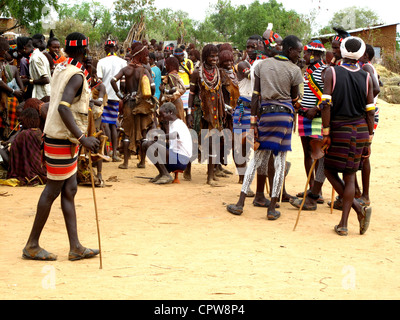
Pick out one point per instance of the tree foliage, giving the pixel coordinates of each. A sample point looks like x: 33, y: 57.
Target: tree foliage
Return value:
x: 352, y: 18
x: 224, y: 22
x: 27, y: 13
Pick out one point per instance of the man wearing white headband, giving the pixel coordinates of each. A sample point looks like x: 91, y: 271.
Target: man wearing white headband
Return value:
x: 348, y: 124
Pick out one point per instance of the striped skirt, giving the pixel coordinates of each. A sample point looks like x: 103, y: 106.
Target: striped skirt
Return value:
x: 275, y: 132
x: 310, y: 128
x: 60, y: 163
x: 185, y: 99
x: 348, y: 142
x: 241, y: 118
x: 110, y: 112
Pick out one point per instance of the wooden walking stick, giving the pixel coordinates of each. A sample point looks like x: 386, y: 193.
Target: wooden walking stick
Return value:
x: 318, y: 153
x: 92, y: 132
x: 95, y: 207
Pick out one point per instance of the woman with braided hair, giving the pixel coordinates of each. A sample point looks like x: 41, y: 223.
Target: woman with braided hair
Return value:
x: 206, y: 82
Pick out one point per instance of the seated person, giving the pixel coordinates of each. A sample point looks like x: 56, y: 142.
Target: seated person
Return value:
x: 175, y: 154
x: 25, y: 162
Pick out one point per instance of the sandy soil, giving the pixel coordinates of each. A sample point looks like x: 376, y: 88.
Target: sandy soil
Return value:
x: 179, y: 242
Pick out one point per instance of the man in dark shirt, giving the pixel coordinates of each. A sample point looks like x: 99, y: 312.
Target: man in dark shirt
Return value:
x: 348, y: 122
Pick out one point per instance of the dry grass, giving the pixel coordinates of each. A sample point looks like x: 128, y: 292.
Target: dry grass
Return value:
x: 390, y: 92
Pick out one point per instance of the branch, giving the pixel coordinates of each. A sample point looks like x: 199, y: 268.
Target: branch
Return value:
x: 17, y: 25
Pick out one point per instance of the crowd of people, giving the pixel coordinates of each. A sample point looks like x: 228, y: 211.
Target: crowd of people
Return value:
x: 60, y: 110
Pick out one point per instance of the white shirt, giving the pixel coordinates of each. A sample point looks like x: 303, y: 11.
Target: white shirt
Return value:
x: 108, y: 68
x: 39, y: 67
x: 183, y: 144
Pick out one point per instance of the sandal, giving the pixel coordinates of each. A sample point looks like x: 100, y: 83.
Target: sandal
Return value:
x: 86, y: 254
x: 337, y: 204
x: 250, y: 194
x: 363, y: 202
x: 273, y: 215
x: 262, y: 205
x: 42, y: 255
x: 297, y: 204
x: 364, y: 223
x: 234, y: 209
x: 341, y: 231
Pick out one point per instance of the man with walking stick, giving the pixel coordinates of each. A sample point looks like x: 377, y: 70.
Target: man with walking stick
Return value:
x: 64, y: 132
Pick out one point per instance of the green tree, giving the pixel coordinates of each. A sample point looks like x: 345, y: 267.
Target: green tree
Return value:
x: 128, y: 12
x: 27, y: 13
x: 165, y: 24
x: 354, y: 18
x: 91, y: 17
x: 236, y: 24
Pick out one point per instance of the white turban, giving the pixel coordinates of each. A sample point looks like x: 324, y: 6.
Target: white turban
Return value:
x: 352, y: 55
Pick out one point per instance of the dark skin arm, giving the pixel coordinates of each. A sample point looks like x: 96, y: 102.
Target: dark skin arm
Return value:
x: 255, y: 103
x: 375, y: 82
x: 71, y: 90
x: 102, y: 92
x: 326, y: 111
x: 118, y: 77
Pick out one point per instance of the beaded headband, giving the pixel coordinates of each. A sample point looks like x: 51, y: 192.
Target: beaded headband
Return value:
x: 77, y: 43
x: 111, y: 43
x: 272, y: 39
x: 315, y: 45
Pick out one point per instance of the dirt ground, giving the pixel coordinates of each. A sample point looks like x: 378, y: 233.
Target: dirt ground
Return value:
x: 179, y: 242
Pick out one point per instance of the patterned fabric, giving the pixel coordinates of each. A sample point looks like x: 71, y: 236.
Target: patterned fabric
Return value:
x: 260, y: 163
x: 241, y: 116
x: 12, y: 112
x: 26, y: 158
x: 110, y: 112
x: 310, y: 128
x: 347, y: 146
x: 275, y: 131
x: 376, y: 119
x: 61, y: 164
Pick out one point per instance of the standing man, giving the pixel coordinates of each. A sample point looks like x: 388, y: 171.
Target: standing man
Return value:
x: 276, y: 88
x: 65, y: 129
x: 39, y: 69
x: 138, y: 112
x: 310, y: 122
x: 348, y: 125
x: 107, y: 68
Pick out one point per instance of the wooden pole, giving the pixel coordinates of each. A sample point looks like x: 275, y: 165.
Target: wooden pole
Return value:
x: 316, y: 157
x: 95, y: 207
x: 305, y: 193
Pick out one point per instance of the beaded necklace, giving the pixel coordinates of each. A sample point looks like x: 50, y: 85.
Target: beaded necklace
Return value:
x: 210, y: 80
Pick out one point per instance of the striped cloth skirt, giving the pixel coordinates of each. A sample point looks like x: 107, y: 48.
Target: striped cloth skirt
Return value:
x: 349, y: 140
x: 61, y: 158
x: 185, y: 99
x: 110, y: 112
x: 310, y: 128
x: 241, y: 116
x: 275, y: 132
